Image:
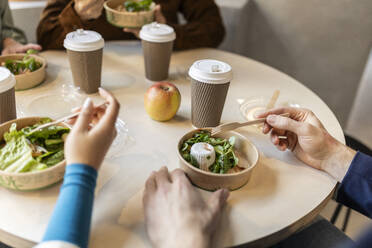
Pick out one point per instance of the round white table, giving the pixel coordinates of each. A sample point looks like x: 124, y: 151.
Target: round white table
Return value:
x: 282, y: 195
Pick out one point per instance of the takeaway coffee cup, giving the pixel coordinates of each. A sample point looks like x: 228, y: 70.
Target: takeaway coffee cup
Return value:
x: 7, y: 96
x: 84, y: 50
x: 210, y: 80
x: 157, y: 44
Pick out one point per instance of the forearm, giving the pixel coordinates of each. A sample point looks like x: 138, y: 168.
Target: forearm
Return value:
x: 58, y: 19
x: 71, y: 218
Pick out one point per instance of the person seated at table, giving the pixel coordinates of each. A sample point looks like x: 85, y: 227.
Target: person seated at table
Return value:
x: 191, y: 222
x: 12, y: 39
x: 204, y: 27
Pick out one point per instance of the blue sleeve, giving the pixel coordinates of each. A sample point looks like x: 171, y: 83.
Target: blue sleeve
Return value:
x: 71, y: 218
x: 355, y: 190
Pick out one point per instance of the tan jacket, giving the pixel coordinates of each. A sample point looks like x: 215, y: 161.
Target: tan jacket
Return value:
x: 204, y: 26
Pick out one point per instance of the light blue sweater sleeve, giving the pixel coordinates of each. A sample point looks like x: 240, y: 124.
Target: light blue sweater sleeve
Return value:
x: 72, y: 214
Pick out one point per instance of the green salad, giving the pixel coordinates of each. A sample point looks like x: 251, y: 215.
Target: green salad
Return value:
x: 225, y: 155
x: 26, y: 65
x: 136, y: 6
x: 22, y: 151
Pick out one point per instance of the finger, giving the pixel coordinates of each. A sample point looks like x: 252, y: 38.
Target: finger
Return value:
x: 75, y: 110
x: 71, y: 121
x: 293, y: 112
x: 5, y: 52
x: 292, y: 141
x: 150, y: 185
x: 179, y: 175
x: 266, y: 128
x: 284, y: 123
x: 112, y: 110
x: 150, y: 188
x: 134, y: 31
x: 162, y: 177
x: 279, y: 132
x: 29, y: 46
x: 108, y: 120
x: 85, y: 116
x: 218, y: 200
x: 274, y: 139
x: 283, y: 144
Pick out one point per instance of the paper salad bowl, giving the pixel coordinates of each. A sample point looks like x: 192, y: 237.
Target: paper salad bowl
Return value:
x: 31, y: 79
x: 127, y: 19
x: 29, y: 180
x: 246, y: 152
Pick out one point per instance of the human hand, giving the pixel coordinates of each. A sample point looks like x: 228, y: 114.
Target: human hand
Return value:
x: 159, y: 18
x: 89, y: 9
x: 175, y: 213
x: 93, y: 132
x: 307, y: 138
x: 11, y: 47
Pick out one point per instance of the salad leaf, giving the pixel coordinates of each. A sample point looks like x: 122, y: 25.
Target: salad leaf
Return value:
x: 27, y: 64
x: 24, y: 151
x: 54, y: 158
x: 136, y: 6
x: 16, y: 148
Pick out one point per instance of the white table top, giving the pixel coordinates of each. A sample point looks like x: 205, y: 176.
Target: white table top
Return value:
x: 282, y: 195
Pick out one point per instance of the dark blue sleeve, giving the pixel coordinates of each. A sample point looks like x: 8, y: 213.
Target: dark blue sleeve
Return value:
x: 355, y: 190
x: 71, y: 218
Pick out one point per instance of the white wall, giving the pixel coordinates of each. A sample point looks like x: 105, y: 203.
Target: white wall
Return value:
x: 26, y: 15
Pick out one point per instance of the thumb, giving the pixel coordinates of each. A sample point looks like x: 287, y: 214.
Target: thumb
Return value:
x: 284, y: 123
x: 218, y: 199
x: 85, y: 116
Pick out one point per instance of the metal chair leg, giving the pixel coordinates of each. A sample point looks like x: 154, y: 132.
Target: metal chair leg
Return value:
x: 336, y: 213
x: 346, y: 220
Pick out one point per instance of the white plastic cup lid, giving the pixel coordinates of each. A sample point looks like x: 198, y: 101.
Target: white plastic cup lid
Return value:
x: 7, y: 80
x: 156, y: 32
x: 211, y: 71
x: 83, y: 41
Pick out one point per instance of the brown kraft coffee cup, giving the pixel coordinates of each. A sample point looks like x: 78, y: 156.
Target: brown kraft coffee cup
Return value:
x: 157, y: 44
x: 207, y: 102
x: 210, y: 81
x: 7, y: 96
x: 157, y: 59
x: 86, y: 69
x: 84, y: 50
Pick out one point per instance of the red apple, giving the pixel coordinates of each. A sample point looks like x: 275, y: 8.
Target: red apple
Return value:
x: 162, y: 101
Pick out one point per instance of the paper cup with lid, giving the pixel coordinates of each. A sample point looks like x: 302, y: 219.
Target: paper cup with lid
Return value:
x: 7, y: 96
x: 210, y: 80
x: 157, y: 44
x: 84, y: 50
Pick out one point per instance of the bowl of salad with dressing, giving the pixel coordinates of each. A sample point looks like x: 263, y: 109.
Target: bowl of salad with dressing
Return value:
x: 31, y: 160
x: 214, y: 162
